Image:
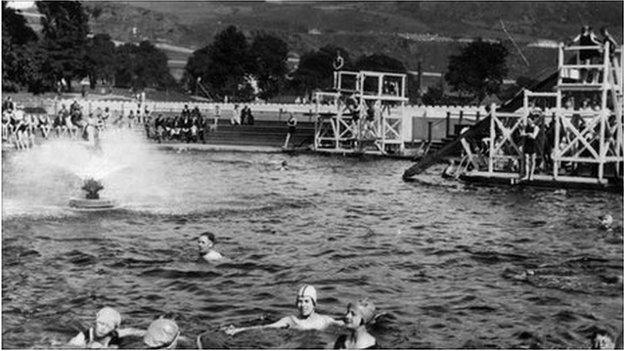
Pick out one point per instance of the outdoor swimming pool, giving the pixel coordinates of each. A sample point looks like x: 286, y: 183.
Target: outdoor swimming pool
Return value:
x: 443, y: 261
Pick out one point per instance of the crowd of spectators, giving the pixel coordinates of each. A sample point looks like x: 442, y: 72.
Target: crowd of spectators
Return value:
x: 20, y: 128
x: 188, y: 126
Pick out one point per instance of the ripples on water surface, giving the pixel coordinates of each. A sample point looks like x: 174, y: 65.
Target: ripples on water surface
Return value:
x: 445, y: 262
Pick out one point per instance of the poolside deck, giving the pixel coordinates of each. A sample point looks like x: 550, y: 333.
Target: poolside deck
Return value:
x: 541, y: 180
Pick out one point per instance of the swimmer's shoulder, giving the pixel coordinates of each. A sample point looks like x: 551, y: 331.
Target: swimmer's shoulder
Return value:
x: 213, y: 256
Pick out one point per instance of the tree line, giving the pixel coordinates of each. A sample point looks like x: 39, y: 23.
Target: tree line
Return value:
x: 65, y: 52
x: 232, y: 65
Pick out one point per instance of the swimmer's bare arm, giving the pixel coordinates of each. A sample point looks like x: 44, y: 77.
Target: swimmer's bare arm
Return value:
x: 130, y: 332
x: 332, y: 321
x: 78, y: 341
x: 282, y: 323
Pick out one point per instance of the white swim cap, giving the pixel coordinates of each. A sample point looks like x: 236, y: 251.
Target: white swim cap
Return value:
x: 307, y: 290
x: 161, y: 332
x: 109, y: 315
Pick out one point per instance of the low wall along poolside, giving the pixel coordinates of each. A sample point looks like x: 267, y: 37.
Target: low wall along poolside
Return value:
x: 421, y: 122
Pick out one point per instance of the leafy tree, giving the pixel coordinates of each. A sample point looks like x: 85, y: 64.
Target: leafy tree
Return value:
x: 65, y: 28
x: 15, y: 30
x: 100, y: 59
x: 224, y: 65
x: 379, y: 63
x: 142, y: 66
x: 316, y: 68
x: 125, y: 65
x: 433, y: 96
x: 19, y: 51
x: 479, y: 68
x: 197, y: 68
x: 270, y: 55
x: 152, y: 67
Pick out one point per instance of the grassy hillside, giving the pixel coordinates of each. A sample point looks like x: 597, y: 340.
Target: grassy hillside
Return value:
x: 365, y: 27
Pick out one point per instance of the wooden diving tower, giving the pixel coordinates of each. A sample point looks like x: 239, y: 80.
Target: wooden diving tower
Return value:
x: 366, y: 114
x: 577, y: 146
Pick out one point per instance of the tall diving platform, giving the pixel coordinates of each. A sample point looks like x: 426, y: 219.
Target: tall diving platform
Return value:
x: 366, y: 114
x: 579, y: 144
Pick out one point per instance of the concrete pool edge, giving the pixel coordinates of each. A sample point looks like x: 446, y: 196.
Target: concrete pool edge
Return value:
x: 274, y: 150
x: 220, y: 148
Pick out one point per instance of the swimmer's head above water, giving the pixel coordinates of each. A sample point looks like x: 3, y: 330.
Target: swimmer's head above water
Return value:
x: 306, y: 300
x: 359, y: 313
x: 205, y: 242
x: 162, y: 333
x: 606, y: 221
x: 601, y: 339
x: 106, y: 321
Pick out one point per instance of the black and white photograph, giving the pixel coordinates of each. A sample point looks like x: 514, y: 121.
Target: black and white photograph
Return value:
x: 292, y: 174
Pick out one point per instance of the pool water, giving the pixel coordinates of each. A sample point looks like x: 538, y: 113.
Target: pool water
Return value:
x: 447, y: 265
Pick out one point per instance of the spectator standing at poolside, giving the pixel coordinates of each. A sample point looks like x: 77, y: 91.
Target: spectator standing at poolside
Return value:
x: 292, y: 127
x: 8, y: 105
x: 185, y: 127
x: 186, y: 111
x: 529, y: 149
x: 235, y: 117
x: 130, y: 118
x: 105, y: 117
x: 243, y: 115
x: 249, y: 118
x: 6, y: 125
x: 199, y: 123
x: 159, y: 128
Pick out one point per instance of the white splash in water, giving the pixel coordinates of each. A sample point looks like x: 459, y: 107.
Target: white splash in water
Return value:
x: 49, y: 174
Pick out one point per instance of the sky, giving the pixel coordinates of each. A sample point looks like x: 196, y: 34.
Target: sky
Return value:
x: 21, y: 4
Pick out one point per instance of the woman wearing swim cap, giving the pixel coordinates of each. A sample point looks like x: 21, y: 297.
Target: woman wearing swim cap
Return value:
x: 307, y: 318
x: 162, y: 333
x: 357, y: 316
x: 105, y: 333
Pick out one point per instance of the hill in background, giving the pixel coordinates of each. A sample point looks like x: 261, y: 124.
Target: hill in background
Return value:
x: 409, y: 31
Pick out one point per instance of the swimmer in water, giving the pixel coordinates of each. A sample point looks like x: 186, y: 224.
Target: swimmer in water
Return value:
x: 601, y: 339
x: 357, y: 316
x: 162, y: 333
x: 206, y: 241
x: 606, y: 222
x: 284, y: 166
x: 307, y: 319
x: 105, y: 333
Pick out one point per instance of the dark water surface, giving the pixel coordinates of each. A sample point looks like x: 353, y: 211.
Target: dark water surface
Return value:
x: 447, y: 264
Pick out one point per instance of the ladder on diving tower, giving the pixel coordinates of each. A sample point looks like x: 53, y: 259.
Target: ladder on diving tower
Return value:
x: 589, y: 137
x: 366, y: 115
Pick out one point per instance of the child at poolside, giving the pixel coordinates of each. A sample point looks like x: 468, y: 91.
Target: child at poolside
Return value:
x: 105, y: 332
x: 206, y: 241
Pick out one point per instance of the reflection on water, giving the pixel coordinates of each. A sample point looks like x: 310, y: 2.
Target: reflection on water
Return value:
x: 450, y: 266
